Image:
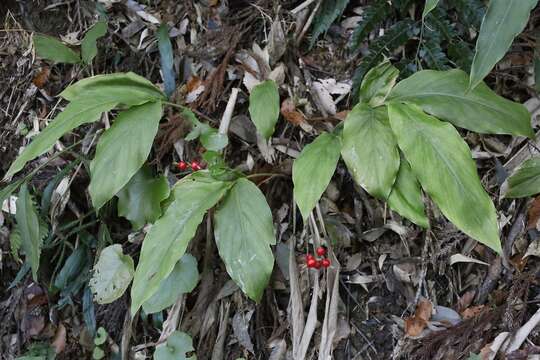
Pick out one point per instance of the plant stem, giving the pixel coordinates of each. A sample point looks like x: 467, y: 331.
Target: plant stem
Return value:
x: 264, y: 174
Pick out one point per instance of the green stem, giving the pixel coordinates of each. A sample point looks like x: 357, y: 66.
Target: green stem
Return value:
x: 265, y: 174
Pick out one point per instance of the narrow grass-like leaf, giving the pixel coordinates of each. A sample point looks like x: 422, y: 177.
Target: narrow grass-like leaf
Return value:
x: 443, y: 164
x: 122, y: 150
x: 166, y: 59
x: 329, y: 11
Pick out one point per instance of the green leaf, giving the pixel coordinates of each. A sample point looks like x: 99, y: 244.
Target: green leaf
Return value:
x: 139, y: 201
x: 122, y: 150
x: 329, y: 11
x: 444, y: 95
x: 6, y: 191
x: 30, y: 228
x: 244, y: 232
x: 370, y: 149
x: 101, y: 336
x: 525, y: 181
x: 88, y: 43
x: 53, y: 49
x: 181, y: 280
x: 167, y: 240
x: 504, y: 20
x: 442, y: 162
x: 428, y: 7
x: 208, y: 136
x: 75, y: 114
x: 406, y: 196
x: 313, y: 170
x: 112, y: 274
x: 166, y: 59
x: 377, y: 83
x: 264, y: 107
x: 177, y: 346
x: 121, y: 88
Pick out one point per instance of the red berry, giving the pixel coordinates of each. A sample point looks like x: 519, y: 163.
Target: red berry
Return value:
x: 317, y: 264
x: 309, y: 256
x: 321, y: 251
x: 195, y: 166
x: 325, y: 263
x: 311, y: 263
x: 182, y: 166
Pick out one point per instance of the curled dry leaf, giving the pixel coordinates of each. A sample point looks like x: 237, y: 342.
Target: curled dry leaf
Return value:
x: 472, y: 311
x: 295, y: 117
x: 415, y: 324
x: 42, y: 77
x: 533, y: 214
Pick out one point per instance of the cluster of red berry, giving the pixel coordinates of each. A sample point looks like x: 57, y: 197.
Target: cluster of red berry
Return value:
x: 194, y: 165
x: 313, y: 263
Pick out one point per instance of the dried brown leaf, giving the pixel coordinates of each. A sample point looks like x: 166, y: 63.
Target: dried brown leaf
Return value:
x: 42, y: 77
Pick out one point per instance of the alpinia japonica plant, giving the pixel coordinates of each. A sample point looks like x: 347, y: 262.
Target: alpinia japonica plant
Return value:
x: 398, y: 140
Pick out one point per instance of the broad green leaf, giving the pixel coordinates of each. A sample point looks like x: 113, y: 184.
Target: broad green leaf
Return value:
x: 53, y: 49
x: 139, y: 201
x: 166, y: 59
x: 444, y: 95
x: 370, y: 149
x: 167, y: 240
x: 177, y: 346
x: 181, y: 280
x: 525, y: 181
x: 6, y: 191
x: 209, y: 137
x: 313, y: 170
x: 112, y: 274
x: 504, y: 20
x: 88, y: 43
x: 244, y: 232
x: 443, y: 164
x: 122, y: 150
x: 377, y: 83
x: 31, y: 230
x: 122, y: 88
x: 264, y: 107
x: 406, y: 196
x: 75, y: 114
x: 428, y: 7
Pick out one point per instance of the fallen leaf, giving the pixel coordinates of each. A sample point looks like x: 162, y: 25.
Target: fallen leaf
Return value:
x: 42, y: 77
x: 415, y: 325
x: 533, y: 249
x: 472, y: 311
x: 295, y: 117
x: 533, y: 213
x: 519, y: 261
x: 59, y: 341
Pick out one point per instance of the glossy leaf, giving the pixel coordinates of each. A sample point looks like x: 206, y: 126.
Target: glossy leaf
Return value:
x: 264, y: 107
x: 139, y: 200
x: 74, y: 115
x: 53, y: 49
x: 122, y: 88
x: 166, y: 59
x: 443, y: 164
x: 122, y: 150
x: 444, y: 95
x: 167, y: 240
x: 30, y: 229
x: 429, y: 6
x: 377, y: 84
x: 181, y: 280
x: 370, y: 149
x: 88, y: 43
x: 112, y: 274
x: 177, y: 346
x: 406, y: 196
x: 244, y: 232
x: 313, y: 170
x: 504, y: 20
x: 525, y: 181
